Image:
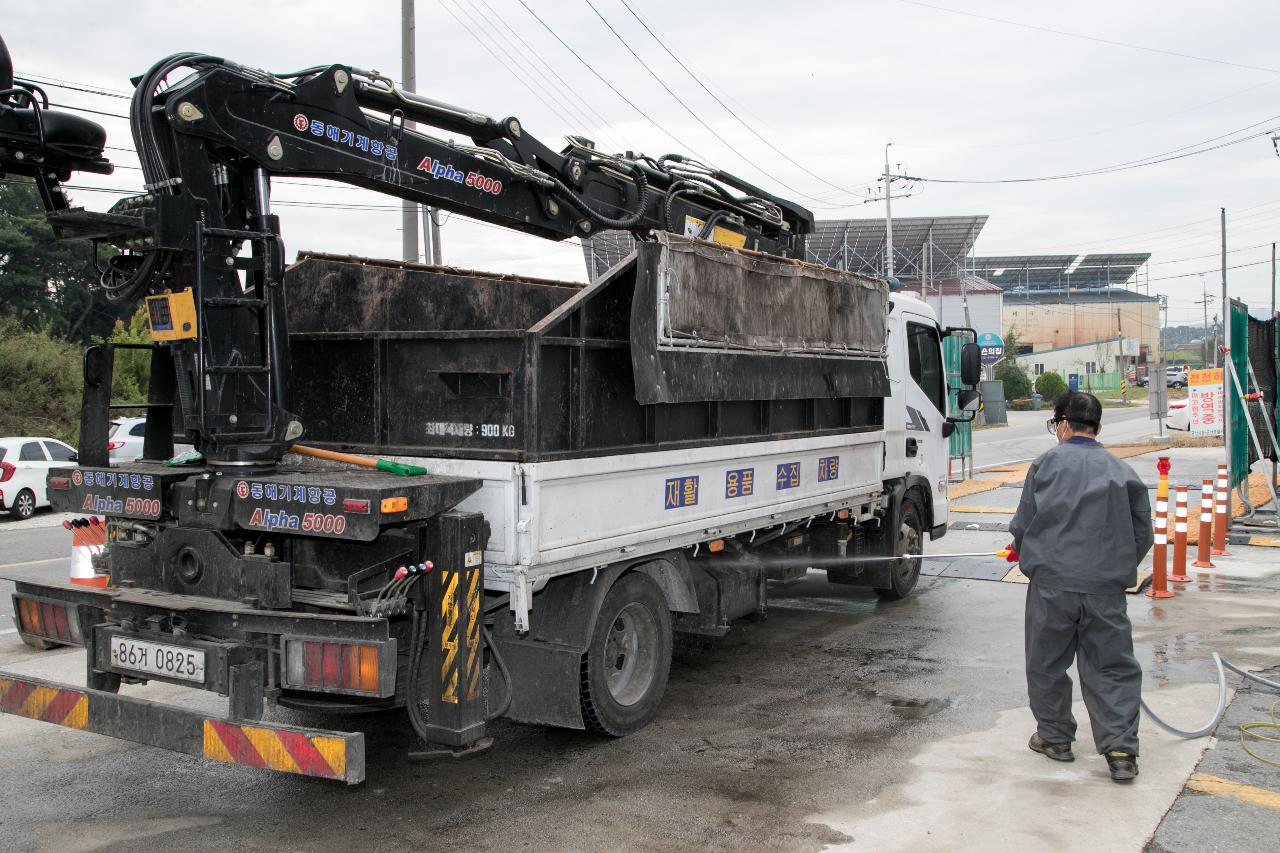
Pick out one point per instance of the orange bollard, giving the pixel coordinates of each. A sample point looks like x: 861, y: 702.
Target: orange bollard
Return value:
x: 1178, y: 573
x: 1220, y: 510
x: 1159, y: 554
x: 1205, y: 542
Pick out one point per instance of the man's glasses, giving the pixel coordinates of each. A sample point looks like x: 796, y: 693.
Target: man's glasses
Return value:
x: 1052, y: 425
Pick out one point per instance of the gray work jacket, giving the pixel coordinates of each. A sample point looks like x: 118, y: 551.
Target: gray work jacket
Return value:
x: 1084, y: 521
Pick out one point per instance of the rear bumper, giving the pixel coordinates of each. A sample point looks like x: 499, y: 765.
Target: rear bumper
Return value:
x: 288, y: 749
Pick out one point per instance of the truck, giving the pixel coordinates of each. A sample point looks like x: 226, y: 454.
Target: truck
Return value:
x: 463, y: 494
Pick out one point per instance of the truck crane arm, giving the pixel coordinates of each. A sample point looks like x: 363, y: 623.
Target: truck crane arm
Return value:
x: 211, y: 134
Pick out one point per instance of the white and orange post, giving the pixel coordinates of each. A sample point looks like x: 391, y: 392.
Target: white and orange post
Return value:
x: 1205, y: 540
x: 1220, y: 510
x: 88, y: 538
x: 1159, y: 561
x: 1178, y: 571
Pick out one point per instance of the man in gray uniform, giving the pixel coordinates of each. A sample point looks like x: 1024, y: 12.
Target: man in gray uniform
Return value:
x: 1082, y: 527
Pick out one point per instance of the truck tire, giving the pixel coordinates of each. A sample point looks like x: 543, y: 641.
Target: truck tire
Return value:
x: 910, y: 540
x: 625, y: 667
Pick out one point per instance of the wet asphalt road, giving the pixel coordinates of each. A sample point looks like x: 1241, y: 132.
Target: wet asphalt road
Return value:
x: 758, y: 732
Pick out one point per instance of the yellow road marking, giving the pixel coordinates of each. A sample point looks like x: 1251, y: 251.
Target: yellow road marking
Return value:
x: 1265, y: 541
x: 1015, y: 576
x: 1219, y: 787
x: 984, y: 510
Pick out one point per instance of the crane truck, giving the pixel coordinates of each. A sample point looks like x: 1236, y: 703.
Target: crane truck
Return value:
x: 566, y: 476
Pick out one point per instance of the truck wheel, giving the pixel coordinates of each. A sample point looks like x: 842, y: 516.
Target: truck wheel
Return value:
x: 905, y: 573
x: 625, y: 668
x: 24, y: 505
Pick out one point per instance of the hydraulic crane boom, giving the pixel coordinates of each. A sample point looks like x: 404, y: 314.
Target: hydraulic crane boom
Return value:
x: 212, y: 140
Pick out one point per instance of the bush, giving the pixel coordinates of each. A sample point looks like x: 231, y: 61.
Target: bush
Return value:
x: 1016, y: 382
x: 40, y: 383
x: 1050, y: 386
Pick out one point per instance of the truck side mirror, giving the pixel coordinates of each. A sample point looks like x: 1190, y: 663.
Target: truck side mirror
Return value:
x: 968, y: 399
x: 970, y: 364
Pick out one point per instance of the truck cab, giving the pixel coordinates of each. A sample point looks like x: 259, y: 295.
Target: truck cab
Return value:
x: 918, y: 423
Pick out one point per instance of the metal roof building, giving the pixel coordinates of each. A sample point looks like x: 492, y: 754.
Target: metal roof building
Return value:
x: 1015, y: 273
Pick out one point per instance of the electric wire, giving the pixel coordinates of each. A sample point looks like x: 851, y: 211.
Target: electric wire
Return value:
x: 697, y: 78
x: 563, y: 94
x: 537, y: 55
x: 1155, y: 159
x: 607, y: 83
x: 649, y: 69
x: 474, y: 29
x: 1084, y: 37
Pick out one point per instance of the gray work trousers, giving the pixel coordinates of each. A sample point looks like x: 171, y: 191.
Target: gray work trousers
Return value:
x: 1095, y: 631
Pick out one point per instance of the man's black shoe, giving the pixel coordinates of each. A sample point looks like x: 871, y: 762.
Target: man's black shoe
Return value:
x: 1056, y: 751
x: 1124, y: 766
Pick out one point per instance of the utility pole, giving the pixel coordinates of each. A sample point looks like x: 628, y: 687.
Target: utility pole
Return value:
x: 888, y: 215
x: 1226, y: 341
x: 408, y: 79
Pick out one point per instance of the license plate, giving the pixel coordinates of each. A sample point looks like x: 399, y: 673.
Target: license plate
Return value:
x: 157, y: 659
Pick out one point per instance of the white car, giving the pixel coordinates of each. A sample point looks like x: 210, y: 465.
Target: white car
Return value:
x: 124, y: 442
x: 1179, y: 415
x: 24, y: 467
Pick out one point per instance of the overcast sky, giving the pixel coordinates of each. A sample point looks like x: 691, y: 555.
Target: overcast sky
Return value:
x: 826, y: 83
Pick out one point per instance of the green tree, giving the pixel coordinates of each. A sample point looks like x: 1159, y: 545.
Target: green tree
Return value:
x: 45, y: 282
x: 40, y: 383
x: 132, y: 374
x: 1016, y: 382
x: 1050, y: 385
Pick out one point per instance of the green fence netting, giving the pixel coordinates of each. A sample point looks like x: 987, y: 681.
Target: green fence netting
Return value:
x: 961, y: 442
x: 1238, y: 343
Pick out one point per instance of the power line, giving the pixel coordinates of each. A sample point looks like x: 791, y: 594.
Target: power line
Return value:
x: 688, y: 108
x: 75, y: 87
x: 585, y: 107
x: 605, y: 81
x: 698, y: 79
x: 1084, y: 37
x: 87, y: 110
x: 1152, y: 160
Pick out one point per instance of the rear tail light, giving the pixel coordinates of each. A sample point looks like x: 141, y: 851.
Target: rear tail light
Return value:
x: 114, y: 445
x: 6, y: 471
x: 360, y: 505
x: 331, y: 667
x: 48, y: 620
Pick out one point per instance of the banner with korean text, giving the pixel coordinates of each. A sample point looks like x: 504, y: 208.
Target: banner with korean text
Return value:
x: 1204, y: 390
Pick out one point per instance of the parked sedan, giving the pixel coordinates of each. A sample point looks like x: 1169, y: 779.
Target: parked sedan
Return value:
x: 124, y: 442
x: 24, y: 467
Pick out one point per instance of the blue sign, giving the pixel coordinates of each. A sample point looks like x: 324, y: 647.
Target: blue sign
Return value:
x: 1073, y: 381
x: 992, y: 347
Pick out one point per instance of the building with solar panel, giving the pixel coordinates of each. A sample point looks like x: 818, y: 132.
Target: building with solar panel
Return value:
x: 1058, y: 302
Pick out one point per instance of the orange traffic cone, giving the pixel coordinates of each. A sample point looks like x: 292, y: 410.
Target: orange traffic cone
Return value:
x: 1205, y: 539
x: 1220, y: 509
x: 1178, y: 573
x: 88, y: 538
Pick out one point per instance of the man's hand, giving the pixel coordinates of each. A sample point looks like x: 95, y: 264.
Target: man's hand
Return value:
x: 1009, y: 553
